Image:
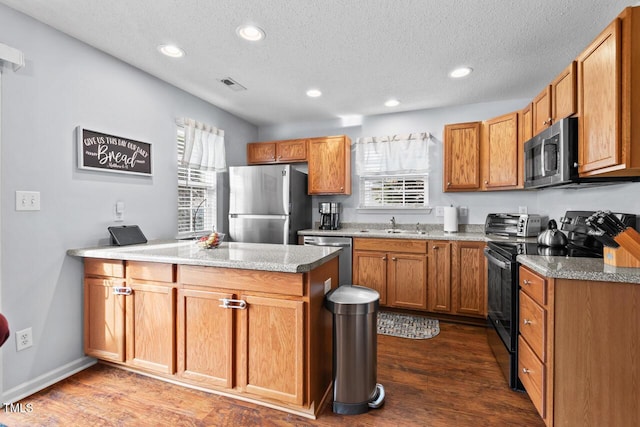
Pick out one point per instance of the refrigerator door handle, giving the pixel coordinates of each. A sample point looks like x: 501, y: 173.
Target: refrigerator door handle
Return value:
x: 285, y: 230
x: 286, y: 205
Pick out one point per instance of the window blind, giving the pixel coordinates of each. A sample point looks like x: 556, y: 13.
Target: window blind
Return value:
x: 394, y: 191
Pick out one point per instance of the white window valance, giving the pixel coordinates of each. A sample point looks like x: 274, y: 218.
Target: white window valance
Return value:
x: 11, y: 56
x: 203, y: 147
x: 397, y: 154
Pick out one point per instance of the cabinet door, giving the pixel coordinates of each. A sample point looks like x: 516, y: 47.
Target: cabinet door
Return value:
x: 526, y: 123
x: 261, y: 152
x: 104, y: 314
x: 599, y: 88
x: 370, y: 270
x: 439, y: 276
x: 542, y: 111
x: 563, y: 93
x: 329, y: 165
x: 407, y: 284
x: 294, y: 150
x: 205, y: 338
x: 272, y: 348
x: 461, y: 157
x: 150, y: 326
x: 501, y: 157
x: 469, y: 279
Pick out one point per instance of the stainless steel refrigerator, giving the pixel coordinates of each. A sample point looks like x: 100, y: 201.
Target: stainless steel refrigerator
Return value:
x: 267, y: 204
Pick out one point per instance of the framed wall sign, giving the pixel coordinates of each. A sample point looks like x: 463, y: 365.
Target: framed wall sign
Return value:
x: 110, y: 153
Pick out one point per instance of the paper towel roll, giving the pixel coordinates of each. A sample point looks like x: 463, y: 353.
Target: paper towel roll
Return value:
x: 450, y: 219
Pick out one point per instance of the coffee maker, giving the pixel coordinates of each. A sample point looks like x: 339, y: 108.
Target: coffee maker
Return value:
x: 329, y: 215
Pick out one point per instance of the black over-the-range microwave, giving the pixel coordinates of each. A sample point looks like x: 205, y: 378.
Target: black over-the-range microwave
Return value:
x: 551, y: 159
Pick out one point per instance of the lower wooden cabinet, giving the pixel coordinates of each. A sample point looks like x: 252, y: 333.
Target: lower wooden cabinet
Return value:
x: 440, y: 276
x: 398, y: 274
x: 104, y: 318
x: 577, y: 350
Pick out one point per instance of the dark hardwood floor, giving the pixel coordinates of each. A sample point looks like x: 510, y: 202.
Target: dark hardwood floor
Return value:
x: 449, y: 380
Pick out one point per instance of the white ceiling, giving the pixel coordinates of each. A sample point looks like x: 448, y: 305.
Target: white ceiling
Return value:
x: 358, y: 52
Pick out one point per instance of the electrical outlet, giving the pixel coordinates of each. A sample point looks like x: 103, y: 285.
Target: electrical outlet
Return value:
x: 439, y: 210
x: 327, y: 285
x: 522, y: 209
x: 464, y: 211
x: 27, y: 200
x: 24, y: 339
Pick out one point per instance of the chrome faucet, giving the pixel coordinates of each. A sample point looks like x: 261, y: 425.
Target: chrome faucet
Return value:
x: 393, y: 222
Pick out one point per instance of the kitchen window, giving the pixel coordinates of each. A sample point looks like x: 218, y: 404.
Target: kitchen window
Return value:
x: 394, y: 191
x: 393, y: 171
x: 196, y: 195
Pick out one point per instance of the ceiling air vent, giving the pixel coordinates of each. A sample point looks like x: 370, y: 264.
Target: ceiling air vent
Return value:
x: 232, y: 84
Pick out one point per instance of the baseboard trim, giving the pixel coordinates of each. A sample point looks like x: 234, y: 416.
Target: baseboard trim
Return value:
x: 43, y: 381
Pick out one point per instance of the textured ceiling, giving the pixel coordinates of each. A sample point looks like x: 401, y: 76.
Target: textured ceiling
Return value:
x: 358, y: 52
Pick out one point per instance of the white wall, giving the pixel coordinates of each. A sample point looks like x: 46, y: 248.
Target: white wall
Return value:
x: 550, y: 202
x: 65, y: 84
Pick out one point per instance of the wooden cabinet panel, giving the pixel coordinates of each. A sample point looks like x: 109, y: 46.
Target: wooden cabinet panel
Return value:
x: 294, y: 150
x: 599, y: 93
x: 391, y: 245
x: 542, y: 110
x: 502, y: 159
x: 525, y: 123
x: 329, y: 165
x: 534, y: 285
x: 370, y: 270
x: 533, y: 325
x: 563, y: 93
x: 408, y: 281
x: 104, y: 267
x: 104, y: 314
x: 469, y: 278
x: 150, y: 327
x: 205, y: 338
x: 532, y: 373
x: 152, y: 271
x: 261, y: 152
x: 440, y: 276
x: 461, y: 157
x: 272, y: 348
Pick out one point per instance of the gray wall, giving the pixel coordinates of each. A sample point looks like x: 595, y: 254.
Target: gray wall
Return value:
x: 65, y: 84
x: 550, y: 202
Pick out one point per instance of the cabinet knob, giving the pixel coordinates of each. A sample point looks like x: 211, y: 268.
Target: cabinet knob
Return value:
x: 525, y: 371
x: 526, y: 321
x: 435, y: 248
x: 384, y: 258
x: 394, y: 259
x: 341, y: 188
x: 448, y: 184
x: 526, y: 282
x: 486, y: 182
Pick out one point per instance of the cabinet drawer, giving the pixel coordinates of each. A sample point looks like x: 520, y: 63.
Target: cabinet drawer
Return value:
x: 151, y: 271
x: 391, y: 245
x: 532, y: 373
x: 535, y: 286
x: 103, y: 267
x: 533, y: 325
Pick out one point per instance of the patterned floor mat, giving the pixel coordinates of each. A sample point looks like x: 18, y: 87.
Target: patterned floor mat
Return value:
x: 407, y: 326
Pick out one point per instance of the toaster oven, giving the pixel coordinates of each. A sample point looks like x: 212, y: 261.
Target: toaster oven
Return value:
x: 516, y: 225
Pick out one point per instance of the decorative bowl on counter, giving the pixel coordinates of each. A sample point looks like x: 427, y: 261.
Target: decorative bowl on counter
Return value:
x: 211, y: 241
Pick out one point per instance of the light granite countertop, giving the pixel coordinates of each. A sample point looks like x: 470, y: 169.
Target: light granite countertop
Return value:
x: 562, y: 267
x: 247, y: 256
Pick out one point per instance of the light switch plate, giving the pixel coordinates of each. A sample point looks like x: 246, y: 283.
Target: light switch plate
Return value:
x: 27, y: 200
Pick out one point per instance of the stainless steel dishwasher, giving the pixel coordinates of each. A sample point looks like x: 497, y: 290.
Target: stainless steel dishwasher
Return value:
x: 344, y: 260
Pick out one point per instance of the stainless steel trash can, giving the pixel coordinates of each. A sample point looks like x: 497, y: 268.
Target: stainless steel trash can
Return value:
x: 355, y: 315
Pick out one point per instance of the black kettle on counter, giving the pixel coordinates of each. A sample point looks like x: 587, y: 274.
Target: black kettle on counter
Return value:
x: 552, y: 237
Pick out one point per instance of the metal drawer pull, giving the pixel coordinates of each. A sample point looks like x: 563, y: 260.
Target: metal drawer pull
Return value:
x: 122, y: 290
x: 526, y: 282
x: 525, y: 371
x: 233, y: 303
x: 526, y: 321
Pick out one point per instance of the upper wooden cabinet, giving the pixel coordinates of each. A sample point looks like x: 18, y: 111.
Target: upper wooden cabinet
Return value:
x: 525, y: 123
x: 542, y: 110
x: 556, y: 101
x: 609, y: 100
x: 329, y: 165
x: 288, y: 151
x: 461, y: 157
x: 501, y: 155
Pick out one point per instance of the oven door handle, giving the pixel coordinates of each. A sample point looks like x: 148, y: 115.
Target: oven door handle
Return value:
x: 494, y: 260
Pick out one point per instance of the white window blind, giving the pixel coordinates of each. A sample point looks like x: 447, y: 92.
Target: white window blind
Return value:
x: 394, y: 191
x: 196, y: 195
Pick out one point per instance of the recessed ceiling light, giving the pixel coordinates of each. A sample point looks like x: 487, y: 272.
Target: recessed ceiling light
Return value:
x: 250, y: 32
x: 392, y: 103
x: 313, y: 93
x: 460, y: 72
x: 171, y: 50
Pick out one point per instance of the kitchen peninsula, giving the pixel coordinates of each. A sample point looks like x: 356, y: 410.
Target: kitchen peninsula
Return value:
x: 242, y: 320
